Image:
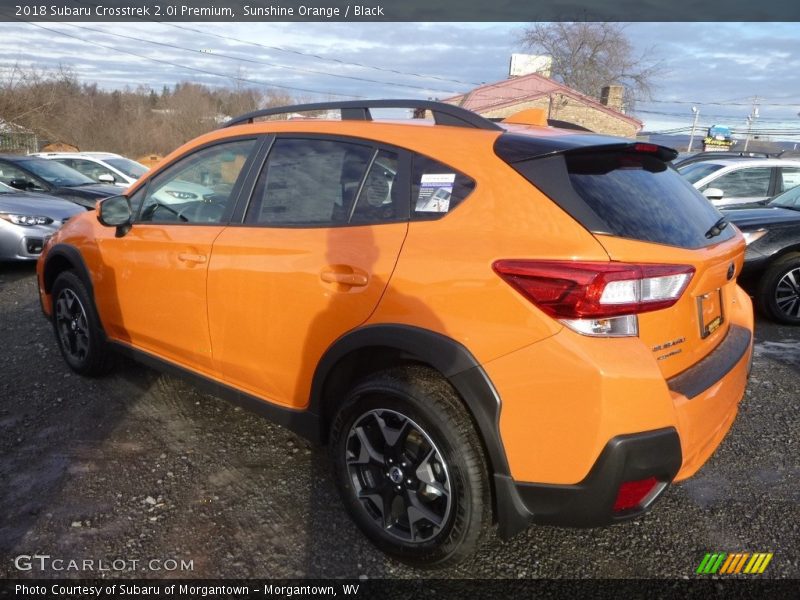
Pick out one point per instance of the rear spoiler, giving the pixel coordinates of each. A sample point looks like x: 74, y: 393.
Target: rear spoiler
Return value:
x: 515, y: 147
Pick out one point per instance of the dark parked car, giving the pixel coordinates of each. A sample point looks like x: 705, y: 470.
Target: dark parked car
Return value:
x: 772, y: 260
x: 33, y: 174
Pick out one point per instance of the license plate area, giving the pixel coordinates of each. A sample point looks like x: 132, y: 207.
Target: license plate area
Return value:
x: 709, y: 312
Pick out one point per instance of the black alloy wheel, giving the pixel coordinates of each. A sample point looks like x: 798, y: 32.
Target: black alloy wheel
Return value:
x: 779, y: 290
x: 77, y: 327
x: 787, y: 294
x: 399, y: 475
x: 410, y: 467
x: 72, y: 325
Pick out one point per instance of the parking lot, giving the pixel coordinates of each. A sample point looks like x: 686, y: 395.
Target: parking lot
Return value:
x: 143, y: 469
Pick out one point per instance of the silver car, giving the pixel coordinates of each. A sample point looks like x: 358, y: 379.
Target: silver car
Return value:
x: 28, y: 219
x: 731, y: 181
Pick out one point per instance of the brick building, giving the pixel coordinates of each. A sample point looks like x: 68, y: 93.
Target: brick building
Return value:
x: 559, y: 102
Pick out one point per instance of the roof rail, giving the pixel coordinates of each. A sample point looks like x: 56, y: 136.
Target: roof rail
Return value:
x: 359, y: 110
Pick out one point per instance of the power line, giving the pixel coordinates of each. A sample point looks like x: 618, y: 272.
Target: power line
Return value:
x: 301, y: 53
x: 260, y: 62
x: 728, y: 117
x: 719, y: 103
x: 324, y: 58
x: 188, y: 68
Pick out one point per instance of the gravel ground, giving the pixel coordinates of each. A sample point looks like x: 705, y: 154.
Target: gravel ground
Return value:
x: 119, y: 469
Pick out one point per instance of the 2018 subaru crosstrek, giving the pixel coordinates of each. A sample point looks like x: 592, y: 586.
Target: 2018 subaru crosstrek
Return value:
x: 487, y: 323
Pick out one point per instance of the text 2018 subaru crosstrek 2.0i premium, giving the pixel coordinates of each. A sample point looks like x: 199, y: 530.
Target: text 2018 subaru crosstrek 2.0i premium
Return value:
x: 487, y: 323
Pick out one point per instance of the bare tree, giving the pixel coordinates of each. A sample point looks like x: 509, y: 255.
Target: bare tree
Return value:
x: 57, y: 107
x: 590, y: 56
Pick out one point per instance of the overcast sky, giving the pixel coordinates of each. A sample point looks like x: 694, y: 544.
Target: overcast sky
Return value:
x: 719, y: 67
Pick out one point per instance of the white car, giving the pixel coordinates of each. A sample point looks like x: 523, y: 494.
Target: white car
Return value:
x: 103, y: 167
x: 731, y: 181
x: 106, y: 167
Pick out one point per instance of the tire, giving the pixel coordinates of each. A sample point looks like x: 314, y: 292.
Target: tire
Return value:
x: 410, y: 467
x: 779, y: 290
x: 77, y: 327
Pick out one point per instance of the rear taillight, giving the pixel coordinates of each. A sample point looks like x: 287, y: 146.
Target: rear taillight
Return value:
x: 596, y: 298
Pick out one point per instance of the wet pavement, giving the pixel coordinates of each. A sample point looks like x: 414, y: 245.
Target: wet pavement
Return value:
x: 145, y: 476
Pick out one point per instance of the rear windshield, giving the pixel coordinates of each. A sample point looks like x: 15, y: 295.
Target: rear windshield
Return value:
x: 638, y: 196
x: 696, y: 171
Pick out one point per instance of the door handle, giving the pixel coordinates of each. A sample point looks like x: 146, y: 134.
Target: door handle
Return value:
x: 352, y: 279
x: 192, y: 258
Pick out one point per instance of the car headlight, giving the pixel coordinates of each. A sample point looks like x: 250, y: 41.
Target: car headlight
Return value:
x: 27, y: 220
x: 752, y: 236
x: 181, y: 195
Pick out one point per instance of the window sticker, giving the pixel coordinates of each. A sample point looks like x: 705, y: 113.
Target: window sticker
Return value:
x: 434, y: 192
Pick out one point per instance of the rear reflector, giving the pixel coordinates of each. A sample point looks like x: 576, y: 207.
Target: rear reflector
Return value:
x: 595, y: 290
x: 631, y: 493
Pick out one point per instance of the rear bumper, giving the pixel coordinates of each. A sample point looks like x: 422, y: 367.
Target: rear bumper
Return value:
x: 704, y: 401
x: 706, y: 398
x: 590, y: 503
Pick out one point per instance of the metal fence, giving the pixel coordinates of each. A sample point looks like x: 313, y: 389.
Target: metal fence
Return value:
x: 22, y: 142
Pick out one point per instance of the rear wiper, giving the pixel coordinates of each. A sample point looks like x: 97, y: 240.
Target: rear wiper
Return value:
x: 717, y: 228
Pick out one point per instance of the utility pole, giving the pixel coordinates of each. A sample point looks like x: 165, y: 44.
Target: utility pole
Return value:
x: 751, y: 118
x: 696, y: 112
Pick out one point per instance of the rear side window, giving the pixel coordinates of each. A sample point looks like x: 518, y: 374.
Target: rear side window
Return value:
x: 743, y: 183
x: 638, y: 196
x: 436, y: 189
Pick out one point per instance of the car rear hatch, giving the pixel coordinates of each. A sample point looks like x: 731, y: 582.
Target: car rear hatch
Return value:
x: 644, y: 214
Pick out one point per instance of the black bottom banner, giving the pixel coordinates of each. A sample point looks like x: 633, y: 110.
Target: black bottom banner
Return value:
x: 573, y: 589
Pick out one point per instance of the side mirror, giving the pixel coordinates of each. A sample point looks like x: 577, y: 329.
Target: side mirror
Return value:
x: 115, y: 211
x: 21, y: 184
x: 713, y: 193
x: 106, y: 178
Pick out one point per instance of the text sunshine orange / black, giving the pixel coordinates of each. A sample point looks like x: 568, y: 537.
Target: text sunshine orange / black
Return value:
x: 489, y: 324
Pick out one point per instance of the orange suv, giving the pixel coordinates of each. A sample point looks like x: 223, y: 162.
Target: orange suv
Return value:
x: 488, y: 324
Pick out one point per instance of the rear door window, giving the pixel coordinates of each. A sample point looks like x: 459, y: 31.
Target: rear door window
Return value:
x: 790, y: 178
x: 91, y: 169
x: 381, y: 198
x: 309, y: 182
x: 750, y: 182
